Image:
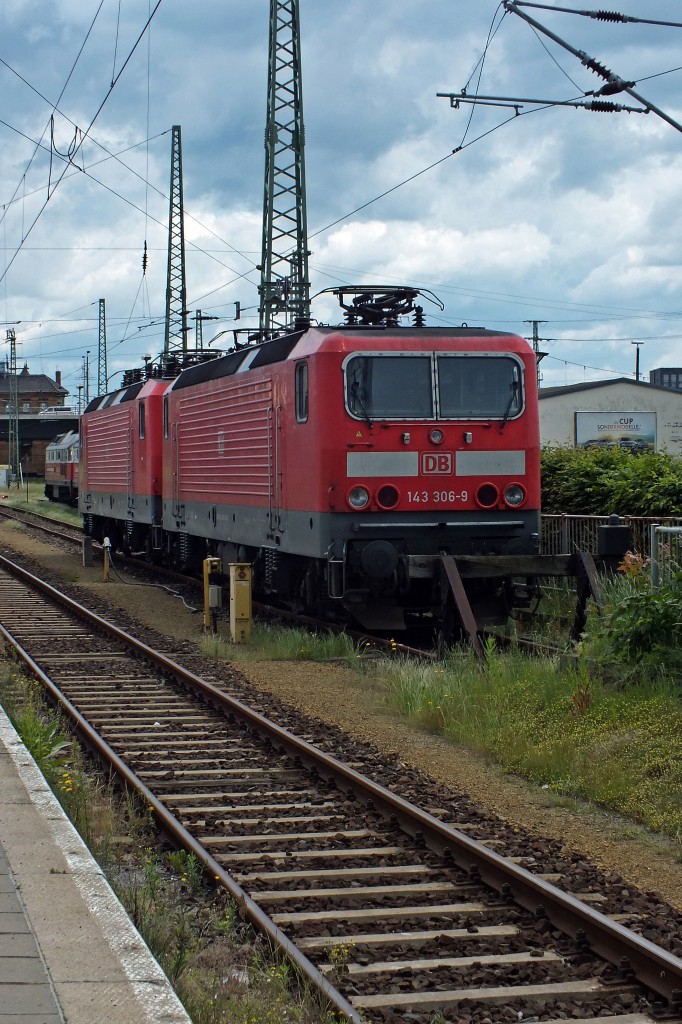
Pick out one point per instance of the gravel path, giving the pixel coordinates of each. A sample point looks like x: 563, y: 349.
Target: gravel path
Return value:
x: 337, y: 695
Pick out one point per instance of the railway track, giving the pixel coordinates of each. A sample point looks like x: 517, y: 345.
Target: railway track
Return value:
x: 47, y: 525
x: 368, y: 644
x: 72, y: 536
x: 390, y: 910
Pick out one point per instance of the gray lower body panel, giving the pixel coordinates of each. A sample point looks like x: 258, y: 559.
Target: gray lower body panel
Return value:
x: 142, y: 509
x: 326, y: 535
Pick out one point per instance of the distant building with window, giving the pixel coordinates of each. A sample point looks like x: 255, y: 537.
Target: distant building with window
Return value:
x: 40, y: 399
x: 667, y: 377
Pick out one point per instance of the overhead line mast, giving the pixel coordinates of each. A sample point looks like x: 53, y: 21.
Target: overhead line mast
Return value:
x: 285, y: 287
x: 13, y: 425
x: 102, y: 373
x: 175, y: 340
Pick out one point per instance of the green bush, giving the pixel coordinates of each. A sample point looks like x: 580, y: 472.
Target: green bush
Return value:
x: 641, y: 626
x: 599, y: 481
x: 646, y: 622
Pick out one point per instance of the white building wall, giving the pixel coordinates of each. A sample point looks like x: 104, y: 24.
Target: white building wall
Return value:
x: 557, y: 412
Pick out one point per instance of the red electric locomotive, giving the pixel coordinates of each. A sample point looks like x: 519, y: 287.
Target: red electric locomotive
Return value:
x: 120, y: 465
x: 61, y: 468
x: 342, y: 462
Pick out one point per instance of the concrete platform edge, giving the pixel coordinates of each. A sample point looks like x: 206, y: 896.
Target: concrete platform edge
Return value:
x: 119, y: 981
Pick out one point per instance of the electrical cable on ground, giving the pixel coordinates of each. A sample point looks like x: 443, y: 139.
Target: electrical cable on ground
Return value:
x: 160, y: 586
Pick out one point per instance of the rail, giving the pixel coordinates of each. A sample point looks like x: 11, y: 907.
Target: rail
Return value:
x: 287, y: 754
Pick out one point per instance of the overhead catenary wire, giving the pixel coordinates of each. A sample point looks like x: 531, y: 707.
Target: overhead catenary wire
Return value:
x: 87, y: 170
x: 55, y: 106
x: 492, y: 32
x: 358, y: 209
x: 406, y: 180
x: 88, y: 173
x: 614, y: 84
x: 614, y: 17
x: 83, y: 137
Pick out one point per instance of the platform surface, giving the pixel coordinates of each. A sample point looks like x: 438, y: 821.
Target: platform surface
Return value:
x: 69, y: 953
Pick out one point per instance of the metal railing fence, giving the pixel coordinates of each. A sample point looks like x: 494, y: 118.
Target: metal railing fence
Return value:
x: 562, y: 534
x: 666, y: 553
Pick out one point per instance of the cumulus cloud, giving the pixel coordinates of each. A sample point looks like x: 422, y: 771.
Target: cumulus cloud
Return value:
x: 558, y: 215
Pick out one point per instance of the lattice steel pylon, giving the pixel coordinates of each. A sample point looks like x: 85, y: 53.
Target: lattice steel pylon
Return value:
x: 102, y: 351
x: 284, y: 288
x: 175, y: 340
x: 13, y: 425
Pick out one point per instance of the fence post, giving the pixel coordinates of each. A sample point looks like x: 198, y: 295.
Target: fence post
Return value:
x: 653, y: 545
x: 564, y: 534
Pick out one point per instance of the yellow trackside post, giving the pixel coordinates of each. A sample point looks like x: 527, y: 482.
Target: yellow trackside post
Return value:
x: 240, y: 602
x: 213, y: 593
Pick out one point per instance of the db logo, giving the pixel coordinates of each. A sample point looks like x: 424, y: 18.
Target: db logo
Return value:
x: 436, y: 463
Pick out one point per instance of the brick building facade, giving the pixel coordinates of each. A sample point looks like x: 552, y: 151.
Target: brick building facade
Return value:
x: 37, y: 393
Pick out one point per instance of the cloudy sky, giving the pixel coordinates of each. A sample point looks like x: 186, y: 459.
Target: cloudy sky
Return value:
x: 556, y: 214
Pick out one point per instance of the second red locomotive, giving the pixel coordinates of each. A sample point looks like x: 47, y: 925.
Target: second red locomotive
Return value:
x: 61, y: 468
x: 343, y: 462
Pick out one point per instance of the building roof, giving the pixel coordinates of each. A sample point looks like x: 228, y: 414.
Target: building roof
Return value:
x: 31, y: 384
x: 568, y: 389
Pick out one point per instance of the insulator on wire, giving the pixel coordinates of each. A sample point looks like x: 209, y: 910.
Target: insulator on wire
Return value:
x: 610, y: 16
x: 603, y: 107
x: 595, y: 66
x: 144, y: 258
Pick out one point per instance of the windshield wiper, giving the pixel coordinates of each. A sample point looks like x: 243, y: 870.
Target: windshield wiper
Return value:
x: 355, y: 392
x: 512, y: 398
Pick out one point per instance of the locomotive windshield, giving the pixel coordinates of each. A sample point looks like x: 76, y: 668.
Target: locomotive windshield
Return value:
x: 390, y: 387
x: 435, y: 386
x: 475, y: 387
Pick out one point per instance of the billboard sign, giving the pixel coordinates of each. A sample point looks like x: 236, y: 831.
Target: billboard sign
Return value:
x: 633, y: 431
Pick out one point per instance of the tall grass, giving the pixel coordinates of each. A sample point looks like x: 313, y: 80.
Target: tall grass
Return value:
x: 276, y: 643
x: 580, y: 729
x: 30, y: 497
x: 563, y: 728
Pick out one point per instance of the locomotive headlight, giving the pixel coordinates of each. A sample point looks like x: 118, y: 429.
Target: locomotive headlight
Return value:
x: 436, y: 436
x: 358, y: 497
x: 514, y: 495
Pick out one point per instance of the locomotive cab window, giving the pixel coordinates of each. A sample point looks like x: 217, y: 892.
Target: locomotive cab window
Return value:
x: 479, y: 387
x: 437, y: 385
x: 301, y: 392
x: 140, y: 416
x: 389, y: 386
x: 165, y: 415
